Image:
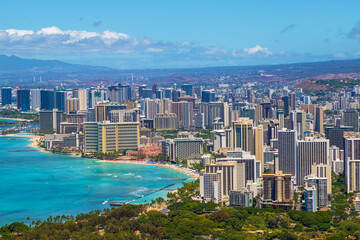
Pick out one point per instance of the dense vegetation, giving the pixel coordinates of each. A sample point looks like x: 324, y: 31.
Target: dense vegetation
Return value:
x: 16, y: 114
x: 189, y: 219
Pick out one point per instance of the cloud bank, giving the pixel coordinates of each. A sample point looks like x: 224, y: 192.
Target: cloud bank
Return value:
x: 52, y: 40
x: 116, y: 49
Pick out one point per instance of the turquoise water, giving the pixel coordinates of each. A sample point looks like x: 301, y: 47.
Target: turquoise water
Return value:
x: 39, y: 184
x: 9, y: 120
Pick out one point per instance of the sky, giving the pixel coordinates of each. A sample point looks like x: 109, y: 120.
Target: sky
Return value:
x: 138, y: 34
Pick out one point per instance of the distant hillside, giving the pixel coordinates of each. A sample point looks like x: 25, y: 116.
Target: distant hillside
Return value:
x: 321, y: 85
x: 20, y: 71
x: 14, y: 63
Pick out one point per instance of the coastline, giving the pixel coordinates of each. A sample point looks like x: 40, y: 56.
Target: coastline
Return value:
x: 17, y: 119
x: 34, y: 144
x: 170, y: 166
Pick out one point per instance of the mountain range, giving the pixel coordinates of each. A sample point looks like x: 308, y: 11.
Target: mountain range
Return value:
x: 13, y: 68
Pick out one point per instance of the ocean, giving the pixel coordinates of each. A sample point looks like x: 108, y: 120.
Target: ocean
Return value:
x: 40, y: 184
x: 9, y: 120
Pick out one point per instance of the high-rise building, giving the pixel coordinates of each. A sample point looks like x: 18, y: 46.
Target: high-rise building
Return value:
x: 250, y: 96
x: 321, y: 185
x: 277, y: 187
x: 129, y: 115
x: 243, y: 135
x: 336, y: 135
x: 259, y: 145
x: 166, y: 121
x: 310, y: 196
x: 111, y: 137
x: 150, y: 108
x: 23, y: 99
x: 334, y: 158
x: 83, y: 100
x: 292, y: 103
x: 50, y: 120
x: 185, y: 147
x: 102, y: 111
x: 184, y: 112
x: 352, y: 163
x: 323, y: 171
x: 252, y: 168
x: 199, y: 121
x: 319, y: 120
x: 233, y: 175
x: 350, y: 117
x: 217, y: 109
x: 6, y: 96
x: 298, y: 120
x: 35, y: 98
x: 188, y: 89
x: 311, y: 151
x: 287, y: 144
x: 211, y: 186
x: 120, y: 93
x: 240, y: 198
x: 286, y: 106
x: 60, y: 100
x: 208, y: 96
x: 47, y: 99
x: 72, y: 105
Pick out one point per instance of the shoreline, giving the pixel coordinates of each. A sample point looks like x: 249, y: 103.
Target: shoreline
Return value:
x: 16, y: 119
x: 35, y: 138
x: 169, y: 166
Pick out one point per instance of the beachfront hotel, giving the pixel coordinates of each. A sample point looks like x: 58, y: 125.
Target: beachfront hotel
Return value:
x: 108, y: 137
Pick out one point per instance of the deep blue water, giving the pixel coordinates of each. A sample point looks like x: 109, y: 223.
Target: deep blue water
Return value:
x: 40, y: 184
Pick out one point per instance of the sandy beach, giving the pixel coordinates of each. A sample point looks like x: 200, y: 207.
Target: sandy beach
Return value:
x: 34, y: 144
x: 173, y: 167
x: 33, y: 138
x: 19, y: 119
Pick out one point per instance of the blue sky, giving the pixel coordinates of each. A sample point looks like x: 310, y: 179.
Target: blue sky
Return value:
x: 174, y: 34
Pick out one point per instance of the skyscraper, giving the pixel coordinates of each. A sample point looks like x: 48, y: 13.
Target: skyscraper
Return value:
x: 233, y: 175
x: 319, y: 119
x: 243, y: 135
x: 336, y: 135
x: 60, y: 100
x: 277, y: 187
x: 50, y: 120
x: 286, y: 106
x: 311, y: 151
x: 23, y: 99
x: 288, y: 151
x: 72, y: 105
x: 82, y: 96
x: 35, y: 98
x: 292, y: 103
x: 350, y: 117
x: 208, y: 96
x: 352, y: 163
x: 188, y: 89
x: 47, y: 99
x: 6, y: 96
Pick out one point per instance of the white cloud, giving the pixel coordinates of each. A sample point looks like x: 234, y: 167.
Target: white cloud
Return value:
x: 58, y: 43
x: 258, y: 49
x: 18, y: 33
